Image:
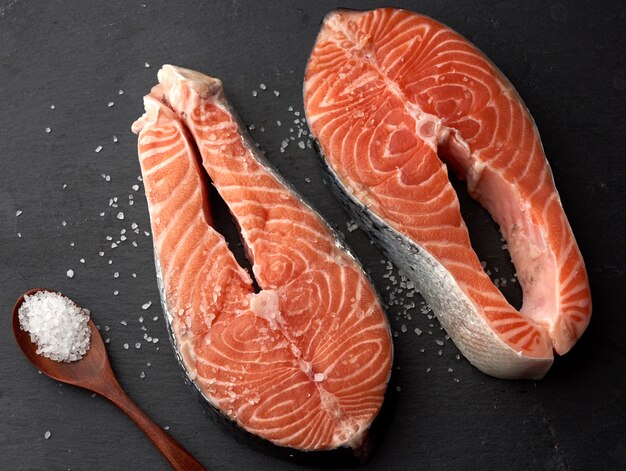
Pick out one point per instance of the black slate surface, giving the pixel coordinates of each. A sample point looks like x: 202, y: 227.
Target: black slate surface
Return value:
x: 566, y: 59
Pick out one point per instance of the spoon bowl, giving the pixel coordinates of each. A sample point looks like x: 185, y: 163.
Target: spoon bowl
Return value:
x: 93, y: 372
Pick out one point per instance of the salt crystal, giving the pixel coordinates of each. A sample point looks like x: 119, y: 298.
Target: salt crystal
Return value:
x: 262, y: 86
x: 276, y: 92
x: 48, y: 130
x: 301, y: 145
x: 138, y: 345
x: 134, y: 275
x: 58, y: 327
x: 70, y: 273
x: 142, y: 375
x: 115, y: 293
x: 146, y: 65
x: 403, y: 328
x: 120, y: 215
x: 319, y: 377
x: 146, y: 305
x: 307, y: 179
x: 98, y: 149
x: 155, y: 318
x: 110, y: 104
x: 63, y: 223
x: 114, y: 139
x: 135, y: 187
x: 102, y: 214
x: 52, y: 107
x: 278, y: 123
x: 47, y: 434
x: 254, y: 93
x: 18, y: 212
x: 101, y: 254
x: 116, y: 274
x: 140, y: 319
x: 126, y: 346
x: 82, y: 260
x: 113, y: 245
x: 19, y: 234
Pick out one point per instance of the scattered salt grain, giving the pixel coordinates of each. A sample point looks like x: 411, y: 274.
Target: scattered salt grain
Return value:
x: 142, y: 375
x: 82, y: 260
x: 70, y: 273
x: 155, y: 318
x: 56, y: 325
x: 110, y: 104
x: 140, y: 319
x: 262, y: 86
x: 115, y: 293
x: 301, y: 145
x: 418, y: 331
x: 120, y: 215
x: 116, y: 274
x: 319, y: 377
x: 126, y: 346
x: 52, y: 107
x: 146, y: 65
x: 98, y: 149
x: 48, y: 130
x: 135, y: 187
x: 134, y: 275
x: 254, y: 93
x: 115, y: 139
x: 47, y: 434
x: 138, y: 345
x: 120, y: 92
x: 18, y: 212
x: 63, y: 223
x: 146, y: 305
x: 276, y: 92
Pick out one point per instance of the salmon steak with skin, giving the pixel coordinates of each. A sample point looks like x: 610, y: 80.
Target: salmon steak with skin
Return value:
x: 393, y: 98
x: 305, y: 361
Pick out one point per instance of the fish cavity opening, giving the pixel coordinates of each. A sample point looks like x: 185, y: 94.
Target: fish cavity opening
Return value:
x: 485, y: 236
x: 222, y: 220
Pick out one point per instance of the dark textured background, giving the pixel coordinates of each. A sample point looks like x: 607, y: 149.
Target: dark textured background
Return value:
x: 566, y: 59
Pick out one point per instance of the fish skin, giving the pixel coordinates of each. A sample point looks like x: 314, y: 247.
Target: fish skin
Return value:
x: 361, y: 62
x: 343, y: 418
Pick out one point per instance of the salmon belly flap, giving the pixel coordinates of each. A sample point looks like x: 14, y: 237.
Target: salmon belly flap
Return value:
x: 305, y: 361
x: 394, y: 99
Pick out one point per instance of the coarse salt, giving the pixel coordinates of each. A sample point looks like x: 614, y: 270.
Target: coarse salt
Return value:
x: 58, y: 327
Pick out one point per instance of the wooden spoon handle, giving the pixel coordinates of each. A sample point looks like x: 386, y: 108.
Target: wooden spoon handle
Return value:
x: 178, y: 457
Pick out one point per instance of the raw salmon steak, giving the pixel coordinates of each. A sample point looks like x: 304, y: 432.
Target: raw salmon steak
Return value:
x: 304, y: 362
x: 393, y: 98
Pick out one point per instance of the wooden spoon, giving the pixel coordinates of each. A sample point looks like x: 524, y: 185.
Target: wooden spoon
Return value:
x: 93, y: 372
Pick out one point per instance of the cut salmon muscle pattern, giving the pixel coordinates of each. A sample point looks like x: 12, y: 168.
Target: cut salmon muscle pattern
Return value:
x: 389, y: 94
x: 304, y: 362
